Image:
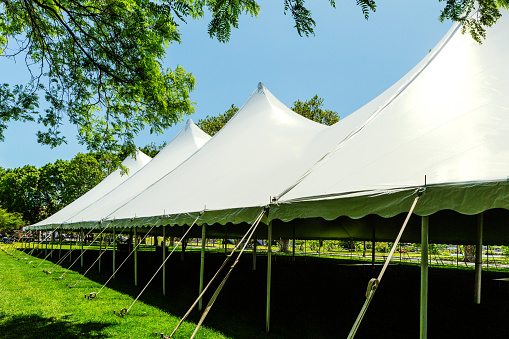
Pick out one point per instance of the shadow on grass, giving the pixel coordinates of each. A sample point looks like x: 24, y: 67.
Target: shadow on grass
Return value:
x: 34, y: 326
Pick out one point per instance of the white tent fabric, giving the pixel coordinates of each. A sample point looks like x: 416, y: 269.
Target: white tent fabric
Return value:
x: 133, y: 165
x: 447, y: 119
x: 189, y: 139
x: 235, y: 173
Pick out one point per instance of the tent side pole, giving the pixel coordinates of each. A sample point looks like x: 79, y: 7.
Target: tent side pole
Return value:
x: 70, y: 247
x: 269, y: 274
x: 52, y: 242
x: 202, y: 263
x: 424, y: 278
x: 478, y: 260
x: 114, y: 251
x: 293, y: 244
x: 255, y: 241
x: 135, y: 257
x: 163, y: 246
x: 100, y: 250
x: 60, y: 243
x: 82, y: 240
x: 373, y: 248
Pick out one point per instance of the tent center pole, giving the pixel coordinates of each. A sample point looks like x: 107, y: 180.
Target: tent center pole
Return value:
x: 202, y: 263
x: 269, y: 274
x: 424, y: 278
x: 478, y: 259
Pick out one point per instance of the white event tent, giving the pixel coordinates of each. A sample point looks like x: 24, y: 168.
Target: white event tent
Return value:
x: 444, y: 124
x: 189, y: 139
x: 132, y: 164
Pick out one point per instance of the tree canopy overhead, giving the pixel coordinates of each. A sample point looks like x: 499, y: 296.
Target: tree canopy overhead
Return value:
x: 98, y: 64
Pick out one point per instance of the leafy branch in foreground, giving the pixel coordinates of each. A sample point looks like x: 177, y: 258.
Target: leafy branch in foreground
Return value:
x: 98, y: 64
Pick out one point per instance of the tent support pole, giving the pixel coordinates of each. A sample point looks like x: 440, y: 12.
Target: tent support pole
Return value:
x: 52, y: 241
x: 114, y: 251
x: 478, y: 259
x: 225, y: 240
x: 202, y: 263
x: 82, y: 238
x: 135, y: 257
x: 100, y: 250
x: 269, y: 275
x: 255, y: 242
x: 373, y: 248
x: 70, y: 247
x: 60, y: 243
x: 163, y: 246
x: 424, y: 278
x: 293, y: 244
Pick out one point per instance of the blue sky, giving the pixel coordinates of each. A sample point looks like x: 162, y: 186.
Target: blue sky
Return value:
x: 348, y: 62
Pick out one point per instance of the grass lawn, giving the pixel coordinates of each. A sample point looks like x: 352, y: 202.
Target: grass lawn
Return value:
x: 312, y: 297
x: 35, y: 305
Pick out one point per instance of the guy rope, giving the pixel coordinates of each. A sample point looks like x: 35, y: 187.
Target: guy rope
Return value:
x: 164, y: 262
x: 374, y: 282
x: 248, y: 234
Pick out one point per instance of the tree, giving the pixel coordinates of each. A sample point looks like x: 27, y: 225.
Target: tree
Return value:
x: 37, y: 193
x: 10, y: 221
x: 311, y: 109
x: 152, y: 149
x: 99, y: 63
x: 212, y: 125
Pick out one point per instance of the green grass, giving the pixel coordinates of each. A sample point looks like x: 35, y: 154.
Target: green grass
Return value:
x: 35, y: 305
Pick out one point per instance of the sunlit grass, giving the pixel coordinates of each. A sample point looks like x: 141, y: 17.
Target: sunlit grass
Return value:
x: 35, y: 305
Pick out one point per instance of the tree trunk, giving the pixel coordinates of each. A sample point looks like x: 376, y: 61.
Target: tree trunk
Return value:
x: 469, y: 252
x: 284, y: 245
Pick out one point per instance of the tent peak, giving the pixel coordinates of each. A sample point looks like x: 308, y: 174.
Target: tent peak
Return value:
x: 189, y: 122
x: 261, y: 87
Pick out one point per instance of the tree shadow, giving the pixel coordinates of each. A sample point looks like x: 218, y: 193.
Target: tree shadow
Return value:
x: 35, y: 326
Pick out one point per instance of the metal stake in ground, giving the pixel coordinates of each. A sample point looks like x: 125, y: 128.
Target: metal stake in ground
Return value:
x: 220, y: 287
x: 123, y: 262
x: 143, y: 290
x: 96, y: 260
x: 35, y: 247
x: 93, y: 241
x: 61, y: 260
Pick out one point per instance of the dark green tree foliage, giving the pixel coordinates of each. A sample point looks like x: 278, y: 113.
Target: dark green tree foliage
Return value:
x: 37, y: 193
x: 99, y: 63
x: 10, y: 221
x: 19, y: 192
x: 152, y: 149
x: 212, y: 125
x: 312, y: 109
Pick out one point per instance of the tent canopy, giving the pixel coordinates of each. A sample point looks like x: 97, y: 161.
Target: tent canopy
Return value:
x: 133, y: 165
x: 444, y: 125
